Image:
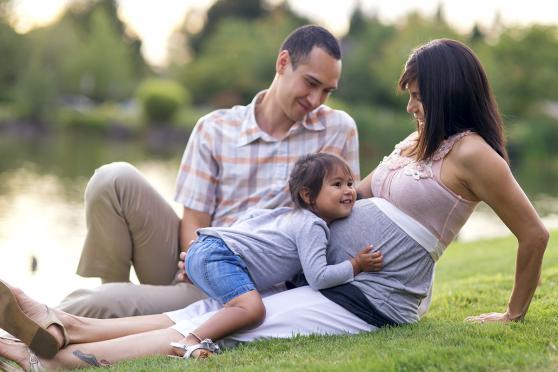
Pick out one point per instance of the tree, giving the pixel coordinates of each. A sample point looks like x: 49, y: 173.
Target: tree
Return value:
x: 238, y: 59
x: 11, y: 49
x: 526, y: 71
x: 363, y: 47
x: 222, y: 9
x: 104, y: 63
x: 36, y: 90
x: 80, y: 13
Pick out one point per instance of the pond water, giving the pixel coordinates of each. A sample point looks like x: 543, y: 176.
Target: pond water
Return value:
x: 42, y: 221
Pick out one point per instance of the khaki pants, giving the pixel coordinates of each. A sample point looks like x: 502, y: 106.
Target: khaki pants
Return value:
x: 129, y: 223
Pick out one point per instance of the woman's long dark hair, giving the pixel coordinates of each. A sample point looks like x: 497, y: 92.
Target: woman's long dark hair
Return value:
x: 455, y: 95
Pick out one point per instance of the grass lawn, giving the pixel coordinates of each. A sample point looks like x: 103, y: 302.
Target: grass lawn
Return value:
x: 471, y: 278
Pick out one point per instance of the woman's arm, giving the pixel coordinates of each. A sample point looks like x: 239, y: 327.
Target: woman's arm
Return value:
x: 364, y: 187
x: 488, y: 177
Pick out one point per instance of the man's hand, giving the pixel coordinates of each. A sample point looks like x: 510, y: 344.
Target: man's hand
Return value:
x: 367, y: 260
x: 182, y: 276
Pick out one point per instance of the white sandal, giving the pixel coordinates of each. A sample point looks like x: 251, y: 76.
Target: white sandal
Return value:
x: 205, y: 344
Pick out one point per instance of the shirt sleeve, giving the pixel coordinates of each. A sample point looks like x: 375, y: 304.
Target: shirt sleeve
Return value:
x: 197, y: 180
x: 312, y: 244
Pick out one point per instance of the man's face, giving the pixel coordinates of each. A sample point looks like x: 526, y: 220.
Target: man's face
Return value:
x: 307, y: 86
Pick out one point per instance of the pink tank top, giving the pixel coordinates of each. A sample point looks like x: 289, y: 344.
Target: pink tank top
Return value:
x: 416, y: 189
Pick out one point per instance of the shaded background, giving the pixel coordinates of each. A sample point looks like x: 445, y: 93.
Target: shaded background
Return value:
x: 83, y: 83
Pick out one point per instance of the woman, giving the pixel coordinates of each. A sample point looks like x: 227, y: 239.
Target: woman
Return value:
x: 423, y: 194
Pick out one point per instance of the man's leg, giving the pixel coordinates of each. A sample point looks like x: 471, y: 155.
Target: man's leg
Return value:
x: 128, y: 222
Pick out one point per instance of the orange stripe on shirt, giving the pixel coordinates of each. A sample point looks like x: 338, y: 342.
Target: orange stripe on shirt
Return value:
x: 198, y: 173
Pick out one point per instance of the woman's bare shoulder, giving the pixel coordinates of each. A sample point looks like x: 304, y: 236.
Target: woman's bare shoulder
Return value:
x: 473, y: 149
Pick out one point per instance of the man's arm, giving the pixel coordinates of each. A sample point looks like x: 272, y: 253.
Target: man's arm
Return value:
x: 191, y: 221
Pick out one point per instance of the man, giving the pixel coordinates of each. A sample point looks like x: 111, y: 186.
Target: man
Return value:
x: 236, y: 159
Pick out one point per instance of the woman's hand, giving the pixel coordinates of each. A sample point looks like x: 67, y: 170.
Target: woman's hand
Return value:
x: 366, y: 260
x: 491, y: 318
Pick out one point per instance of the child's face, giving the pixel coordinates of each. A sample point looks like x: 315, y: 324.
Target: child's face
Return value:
x: 337, y: 196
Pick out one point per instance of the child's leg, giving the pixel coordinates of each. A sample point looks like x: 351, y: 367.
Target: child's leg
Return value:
x: 223, y: 276
x: 243, y: 312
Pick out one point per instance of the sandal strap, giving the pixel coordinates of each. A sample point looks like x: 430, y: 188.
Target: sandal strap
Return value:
x: 34, y: 363
x: 206, y: 344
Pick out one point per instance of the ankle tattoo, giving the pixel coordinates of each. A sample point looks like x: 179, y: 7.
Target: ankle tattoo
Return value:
x: 91, y: 359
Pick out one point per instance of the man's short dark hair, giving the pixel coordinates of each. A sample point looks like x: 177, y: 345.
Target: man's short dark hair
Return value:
x: 301, y: 41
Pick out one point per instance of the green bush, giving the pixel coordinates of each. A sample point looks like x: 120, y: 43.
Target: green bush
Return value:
x: 187, y: 117
x: 7, y: 112
x: 91, y: 120
x: 161, y: 100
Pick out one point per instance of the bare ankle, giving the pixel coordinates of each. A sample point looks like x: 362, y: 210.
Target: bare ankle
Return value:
x: 190, y: 339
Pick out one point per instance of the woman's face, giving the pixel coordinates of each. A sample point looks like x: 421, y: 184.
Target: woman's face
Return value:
x: 414, y: 106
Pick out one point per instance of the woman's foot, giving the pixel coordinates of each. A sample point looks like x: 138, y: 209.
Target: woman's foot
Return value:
x: 198, y: 353
x: 42, y: 315
x: 19, y: 353
x: 32, y: 322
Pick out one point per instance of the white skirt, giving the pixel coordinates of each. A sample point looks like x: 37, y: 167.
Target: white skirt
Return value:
x: 299, y: 311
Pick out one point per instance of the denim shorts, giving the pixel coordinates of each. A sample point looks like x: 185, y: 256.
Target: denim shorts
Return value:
x: 216, y: 270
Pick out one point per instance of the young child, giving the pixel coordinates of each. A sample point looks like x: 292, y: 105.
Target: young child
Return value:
x: 266, y: 247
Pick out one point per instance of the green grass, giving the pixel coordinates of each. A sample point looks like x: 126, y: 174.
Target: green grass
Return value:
x: 471, y: 278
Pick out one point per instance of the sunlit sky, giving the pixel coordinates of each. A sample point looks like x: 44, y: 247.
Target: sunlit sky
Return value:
x: 153, y: 21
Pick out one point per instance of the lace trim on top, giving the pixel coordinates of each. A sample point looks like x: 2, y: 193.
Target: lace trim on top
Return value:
x: 423, y: 168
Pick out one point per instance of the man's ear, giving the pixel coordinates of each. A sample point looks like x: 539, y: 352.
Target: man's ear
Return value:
x: 305, y: 195
x: 283, y: 61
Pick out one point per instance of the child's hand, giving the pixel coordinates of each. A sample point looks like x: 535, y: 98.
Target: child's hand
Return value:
x: 366, y: 260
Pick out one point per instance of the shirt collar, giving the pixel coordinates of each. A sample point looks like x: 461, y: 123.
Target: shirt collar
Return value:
x: 250, y: 130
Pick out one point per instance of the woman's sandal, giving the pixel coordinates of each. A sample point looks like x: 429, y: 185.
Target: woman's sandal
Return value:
x: 14, y: 321
x: 205, y: 344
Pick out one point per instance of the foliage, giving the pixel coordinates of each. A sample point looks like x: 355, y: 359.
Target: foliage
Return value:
x: 526, y: 71
x: 36, y: 91
x: 188, y: 116
x: 221, y: 10
x: 97, y: 63
x: 161, y: 99
x: 81, y: 14
x: 12, y: 57
x: 471, y: 278
x: 86, y: 120
x: 237, y: 61
x: 363, y: 48
x: 99, y: 74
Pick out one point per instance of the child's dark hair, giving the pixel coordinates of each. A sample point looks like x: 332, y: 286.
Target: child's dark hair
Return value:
x: 309, y: 173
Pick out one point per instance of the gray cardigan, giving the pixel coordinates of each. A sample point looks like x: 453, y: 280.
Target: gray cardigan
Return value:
x: 277, y: 244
